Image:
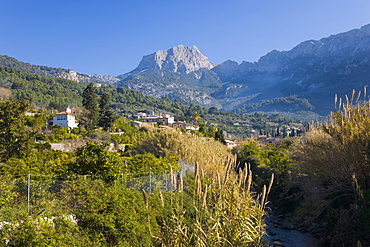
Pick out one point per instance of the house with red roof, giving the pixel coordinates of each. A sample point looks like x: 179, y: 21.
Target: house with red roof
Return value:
x: 66, y: 118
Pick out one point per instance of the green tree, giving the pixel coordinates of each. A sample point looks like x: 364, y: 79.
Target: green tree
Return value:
x: 111, y: 214
x: 203, y: 128
x: 90, y: 102
x: 250, y: 153
x: 15, y: 135
x: 219, y: 136
x: 213, y: 110
x: 106, y: 115
x: 95, y: 159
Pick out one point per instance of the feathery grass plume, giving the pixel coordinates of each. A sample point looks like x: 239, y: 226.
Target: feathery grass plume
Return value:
x: 352, y: 96
x: 245, y: 178
x: 365, y: 89
x: 204, y: 197
x: 198, y: 186
x: 218, y: 179
x: 227, y: 173
x: 179, y: 183
x: 358, y: 192
x: 263, y: 196
x: 358, y: 96
x: 249, y: 181
x: 240, y: 179
x: 171, y: 175
x: 228, y: 169
x: 145, y: 198
x: 196, y: 170
x: 174, y: 181
x: 335, y: 100
x: 243, y: 175
x: 270, y: 185
x: 161, y: 197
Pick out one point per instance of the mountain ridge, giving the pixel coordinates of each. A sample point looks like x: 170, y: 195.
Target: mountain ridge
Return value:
x: 180, y: 58
x: 313, y: 70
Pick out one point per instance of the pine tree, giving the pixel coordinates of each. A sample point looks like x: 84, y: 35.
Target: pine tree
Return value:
x: 106, y: 115
x: 89, y: 101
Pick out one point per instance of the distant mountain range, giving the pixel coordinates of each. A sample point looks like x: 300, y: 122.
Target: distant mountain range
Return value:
x: 305, y: 78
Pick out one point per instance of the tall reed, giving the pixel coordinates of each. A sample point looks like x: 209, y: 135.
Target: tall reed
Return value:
x: 219, y: 213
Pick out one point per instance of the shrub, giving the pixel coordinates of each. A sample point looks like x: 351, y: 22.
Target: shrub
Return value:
x: 333, y: 166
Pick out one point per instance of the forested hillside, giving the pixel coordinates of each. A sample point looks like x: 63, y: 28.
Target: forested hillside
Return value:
x: 57, y: 93
x: 50, y: 72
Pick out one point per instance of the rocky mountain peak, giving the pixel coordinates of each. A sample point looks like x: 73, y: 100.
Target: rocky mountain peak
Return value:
x: 180, y: 58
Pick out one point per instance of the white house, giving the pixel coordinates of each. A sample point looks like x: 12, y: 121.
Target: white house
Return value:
x: 65, y: 119
x: 184, y: 125
x: 166, y: 119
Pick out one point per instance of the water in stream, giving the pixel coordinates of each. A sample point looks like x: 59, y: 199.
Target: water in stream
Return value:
x: 280, y: 235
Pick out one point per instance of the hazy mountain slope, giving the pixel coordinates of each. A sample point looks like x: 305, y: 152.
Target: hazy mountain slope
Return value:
x: 55, y: 72
x: 315, y: 70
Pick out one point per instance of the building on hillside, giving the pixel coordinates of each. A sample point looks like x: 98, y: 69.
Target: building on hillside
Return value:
x: 230, y: 144
x: 166, y: 119
x: 65, y: 118
x: 184, y: 125
x: 266, y: 139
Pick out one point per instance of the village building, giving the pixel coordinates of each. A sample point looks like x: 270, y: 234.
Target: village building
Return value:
x: 230, y: 144
x: 65, y: 118
x: 165, y: 119
x: 184, y: 125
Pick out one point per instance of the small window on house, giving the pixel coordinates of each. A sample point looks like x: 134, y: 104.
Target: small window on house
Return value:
x: 61, y: 117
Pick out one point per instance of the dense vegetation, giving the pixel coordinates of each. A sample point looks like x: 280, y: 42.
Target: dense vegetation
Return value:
x: 44, y: 71
x: 332, y: 165
x: 80, y: 198
x: 284, y: 104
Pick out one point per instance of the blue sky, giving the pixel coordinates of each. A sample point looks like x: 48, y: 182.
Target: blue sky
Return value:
x: 111, y: 36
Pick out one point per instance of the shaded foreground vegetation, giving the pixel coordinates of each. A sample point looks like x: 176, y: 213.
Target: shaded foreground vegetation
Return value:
x: 332, y: 175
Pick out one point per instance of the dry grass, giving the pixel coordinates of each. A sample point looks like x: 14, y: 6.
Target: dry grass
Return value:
x: 333, y: 163
x: 211, y: 155
x: 215, y: 207
x: 224, y: 212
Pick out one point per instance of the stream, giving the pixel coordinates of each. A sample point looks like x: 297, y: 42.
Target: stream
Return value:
x: 282, y: 233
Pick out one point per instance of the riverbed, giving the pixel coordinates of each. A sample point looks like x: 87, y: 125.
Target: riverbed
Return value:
x: 282, y: 233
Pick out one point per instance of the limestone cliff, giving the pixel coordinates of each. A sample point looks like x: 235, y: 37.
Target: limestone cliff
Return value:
x: 180, y: 58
